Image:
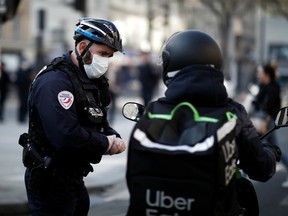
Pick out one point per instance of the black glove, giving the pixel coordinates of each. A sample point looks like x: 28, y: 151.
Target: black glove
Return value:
x: 277, y: 151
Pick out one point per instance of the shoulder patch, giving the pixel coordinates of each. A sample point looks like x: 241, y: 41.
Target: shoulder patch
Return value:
x: 66, y: 99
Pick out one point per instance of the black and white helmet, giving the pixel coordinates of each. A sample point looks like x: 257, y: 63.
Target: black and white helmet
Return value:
x: 190, y: 47
x: 98, y: 31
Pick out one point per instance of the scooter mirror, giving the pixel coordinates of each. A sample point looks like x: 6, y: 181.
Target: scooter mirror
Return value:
x: 282, y: 117
x: 133, y: 111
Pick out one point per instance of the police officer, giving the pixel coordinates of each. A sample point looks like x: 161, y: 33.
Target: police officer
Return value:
x: 191, y: 63
x: 68, y: 127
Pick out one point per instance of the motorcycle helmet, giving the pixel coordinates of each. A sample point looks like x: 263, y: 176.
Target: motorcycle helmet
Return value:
x: 190, y: 47
x: 98, y: 31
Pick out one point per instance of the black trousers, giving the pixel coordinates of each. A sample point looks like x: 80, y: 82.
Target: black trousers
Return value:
x: 61, y: 195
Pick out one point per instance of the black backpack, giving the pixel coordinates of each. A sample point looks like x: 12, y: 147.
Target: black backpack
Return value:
x: 182, y: 161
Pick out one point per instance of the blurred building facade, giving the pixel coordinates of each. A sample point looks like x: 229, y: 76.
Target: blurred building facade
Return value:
x: 44, y: 29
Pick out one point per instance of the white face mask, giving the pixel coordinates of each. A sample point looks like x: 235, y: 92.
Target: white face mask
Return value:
x: 97, y: 68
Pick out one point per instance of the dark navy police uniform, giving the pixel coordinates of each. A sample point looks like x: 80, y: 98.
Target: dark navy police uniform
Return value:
x: 61, y: 129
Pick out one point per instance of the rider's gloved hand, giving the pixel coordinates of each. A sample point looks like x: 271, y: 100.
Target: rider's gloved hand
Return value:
x: 277, y: 151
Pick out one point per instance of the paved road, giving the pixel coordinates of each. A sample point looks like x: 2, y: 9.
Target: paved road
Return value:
x: 273, y: 199
x: 113, y: 202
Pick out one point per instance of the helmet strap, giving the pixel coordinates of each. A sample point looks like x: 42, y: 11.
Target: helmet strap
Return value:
x: 80, y: 57
x: 86, y: 49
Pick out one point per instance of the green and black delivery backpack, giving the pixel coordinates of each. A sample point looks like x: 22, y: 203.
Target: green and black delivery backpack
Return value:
x: 182, y: 161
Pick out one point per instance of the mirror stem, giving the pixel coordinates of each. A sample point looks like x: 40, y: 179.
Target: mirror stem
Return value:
x: 270, y: 131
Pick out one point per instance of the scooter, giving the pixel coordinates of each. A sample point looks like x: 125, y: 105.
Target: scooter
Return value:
x: 246, y: 193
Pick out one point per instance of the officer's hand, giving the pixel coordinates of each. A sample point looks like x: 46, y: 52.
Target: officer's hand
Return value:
x: 117, y: 147
x: 121, y: 145
x: 111, y: 141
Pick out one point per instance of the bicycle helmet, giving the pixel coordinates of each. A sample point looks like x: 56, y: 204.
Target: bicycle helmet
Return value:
x: 190, y: 47
x: 98, y: 31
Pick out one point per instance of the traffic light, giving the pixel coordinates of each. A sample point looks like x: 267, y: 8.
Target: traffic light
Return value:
x: 41, y: 19
x: 80, y: 5
x: 166, y: 16
x: 8, y: 9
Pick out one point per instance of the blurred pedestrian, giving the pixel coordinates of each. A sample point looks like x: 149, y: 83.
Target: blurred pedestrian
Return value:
x: 24, y: 77
x: 268, y: 99
x: 68, y: 127
x: 268, y: 102
x: 115, y: 88
x: 148, y: 77
x: 5, y: 82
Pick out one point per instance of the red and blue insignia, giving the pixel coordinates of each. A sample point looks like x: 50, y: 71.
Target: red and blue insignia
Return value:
x: 66, y: 99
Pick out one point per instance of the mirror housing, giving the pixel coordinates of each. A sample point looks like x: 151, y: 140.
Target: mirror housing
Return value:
x: 282, y: 117
x: 133, y: 111
x: 281, y: 120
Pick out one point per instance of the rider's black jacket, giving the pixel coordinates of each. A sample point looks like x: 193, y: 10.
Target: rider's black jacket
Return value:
x: 149, y: 168
x: 203, y: 86
x: 154, y: 175
x: 61, y: 122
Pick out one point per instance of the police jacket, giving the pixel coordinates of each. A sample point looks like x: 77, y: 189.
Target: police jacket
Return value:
x: 203, y: 86
x: 61, y: 112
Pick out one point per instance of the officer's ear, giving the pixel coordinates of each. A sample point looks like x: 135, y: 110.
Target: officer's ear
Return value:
x: 81, y: 46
